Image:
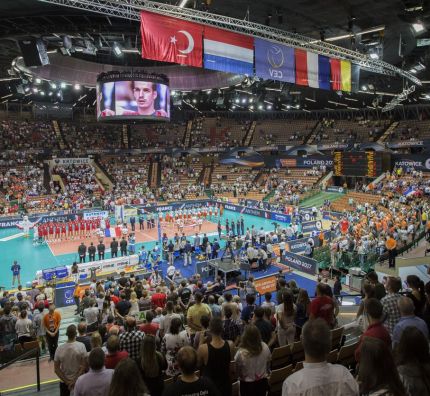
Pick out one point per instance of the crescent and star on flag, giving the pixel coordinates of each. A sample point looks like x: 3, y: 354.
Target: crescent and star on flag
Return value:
x: 173, y: 40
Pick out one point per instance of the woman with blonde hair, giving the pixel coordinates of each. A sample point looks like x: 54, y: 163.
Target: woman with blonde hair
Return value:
x: 134, y: 309
x: 285, y: 317
x: 252, y: 363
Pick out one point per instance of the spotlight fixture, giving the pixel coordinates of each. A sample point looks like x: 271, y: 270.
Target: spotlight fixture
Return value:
x: 77, y: 87
x: 418, y: 27
x: 117, y: 49
x: 63, y: 85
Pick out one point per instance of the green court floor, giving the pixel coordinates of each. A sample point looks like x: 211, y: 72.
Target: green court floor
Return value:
x: 33, y: 258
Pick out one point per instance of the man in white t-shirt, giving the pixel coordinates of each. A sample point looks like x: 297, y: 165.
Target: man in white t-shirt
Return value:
x: 317, y: 376
x: 70, y: 361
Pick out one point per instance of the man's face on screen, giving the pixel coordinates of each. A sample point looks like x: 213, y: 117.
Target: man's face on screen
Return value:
x: 145, y: 96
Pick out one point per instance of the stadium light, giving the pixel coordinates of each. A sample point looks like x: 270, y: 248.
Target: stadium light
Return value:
x: 38, y: 80
x: 418, y: 27
x: 42, y: 93
x: 237, y: 100
x: 63, y: 85
x: 244, y: 100
x: 183, y: 3
x: 35, y: 90
x: 260, y: 107
x: 54, y: 86
x: 374, y: 55
x: 269, y: 107
x: 117, y: 49
x: 77, y: 87
x: 414, y: 71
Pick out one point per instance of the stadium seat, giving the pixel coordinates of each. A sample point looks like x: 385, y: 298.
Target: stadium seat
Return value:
x: 276, y: 379
x: 281, y: 357
x: 297, y: 352
x: 336, y: 337
x: 346, y: 355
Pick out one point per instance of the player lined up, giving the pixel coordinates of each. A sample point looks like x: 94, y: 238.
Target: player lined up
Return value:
x: 72, y: 229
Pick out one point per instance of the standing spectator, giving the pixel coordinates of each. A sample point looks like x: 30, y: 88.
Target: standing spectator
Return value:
x: 408, y: 319
x: 126, y: 380
x: 171, y: 343
x: 133, y: 223
x: 413, y: 362
x: 214, y: 357
x: 303, y: 305
x: 252, y: 363
x: 23, y: 328
x: 377, y: 374
x: 16, y: 273
x: 152, y: 365
x: 322, y: 306
x: 83, y: 337
x: 248, y: 311
x: 317, y: 376
x: 391, y: 246
x: 7, y: 326
x: 189, y: 383
x: 417, y: 294
x: 376, y: 329
x: 122, y: 308
x: 114, y: 355
x: 75, y: 272
x: 91, y: 315
x: 195, y: 313
x: 51, y: 322
x: 390, y: 303
x: 150, y: 327
x: 39, y: 329
x: 82, y: 251
x: 131, y: 339
x: 285, y: 315
x: 70, y: 361
x: 232, y: 327
x: 167, y: 318
x: 379, y: 288
x: 337, y: 287
x: 97, y: 380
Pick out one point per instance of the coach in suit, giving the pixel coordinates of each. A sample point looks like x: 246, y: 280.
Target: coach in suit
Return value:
x: 101, y: 250
x: 114, y: 248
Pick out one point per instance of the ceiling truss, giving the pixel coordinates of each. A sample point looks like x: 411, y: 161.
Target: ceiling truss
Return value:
x: 130, y: 10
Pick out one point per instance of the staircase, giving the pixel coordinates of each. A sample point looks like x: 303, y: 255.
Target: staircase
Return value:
x: 249, y: 134
x: 58, y: 134
x: 103, y: 178
x: 206, y: 175
x: 125, y: 135
x: 46, y: 177
x: 387, y: 132
x: 312, y: 134
x: 187, y: 135
x: 154, y: 174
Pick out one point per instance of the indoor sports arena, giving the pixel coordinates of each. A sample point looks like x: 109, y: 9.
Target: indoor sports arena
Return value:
x: 214, y: 198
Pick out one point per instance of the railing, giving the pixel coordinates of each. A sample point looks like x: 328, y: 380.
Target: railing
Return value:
x: 31, y: 353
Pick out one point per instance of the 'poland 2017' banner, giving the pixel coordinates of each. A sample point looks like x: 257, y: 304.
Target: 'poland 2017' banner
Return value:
x: 169, y: 39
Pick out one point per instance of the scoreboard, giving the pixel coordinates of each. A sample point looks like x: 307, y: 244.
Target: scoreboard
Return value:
x: 360, y: 163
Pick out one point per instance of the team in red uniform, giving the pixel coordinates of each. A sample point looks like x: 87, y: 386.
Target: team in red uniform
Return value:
x: 72, y: 229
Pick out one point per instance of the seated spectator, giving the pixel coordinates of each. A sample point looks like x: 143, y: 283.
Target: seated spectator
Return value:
x: 408, y: 319
x: 97, y: 380
x: 114, y: 355
x: 413, y: 362
x: 376, y: 329
x: 189, y: 383
x: 377, y: 374
x: 317, y: 376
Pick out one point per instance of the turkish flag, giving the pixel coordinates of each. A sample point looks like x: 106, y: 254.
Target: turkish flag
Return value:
x: 169, y: 39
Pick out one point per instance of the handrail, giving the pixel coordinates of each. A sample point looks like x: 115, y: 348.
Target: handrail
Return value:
x: 29, y: 353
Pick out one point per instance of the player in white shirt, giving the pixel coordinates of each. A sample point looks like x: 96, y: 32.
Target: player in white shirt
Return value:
x: 200, y: 222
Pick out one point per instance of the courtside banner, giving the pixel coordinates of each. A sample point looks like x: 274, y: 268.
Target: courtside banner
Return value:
x: 95, y: 214
x: 175, y: 206
x: 336, y: 189
x: 16, y: 221
x: 334, y: 216
x: 70, y: 161
x: 300, y: 263
x: 311, y: 226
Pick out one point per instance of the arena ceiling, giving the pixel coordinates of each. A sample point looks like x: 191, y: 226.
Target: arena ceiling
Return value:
x: 318, y: 19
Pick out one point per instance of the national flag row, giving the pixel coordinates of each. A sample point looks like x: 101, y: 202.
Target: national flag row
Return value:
x: 169, y: 39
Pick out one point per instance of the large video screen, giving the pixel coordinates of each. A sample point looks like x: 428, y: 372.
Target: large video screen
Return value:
x: 137, y: 98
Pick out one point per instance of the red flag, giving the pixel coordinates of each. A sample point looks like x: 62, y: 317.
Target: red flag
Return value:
x: 169, y: 39
x: 336, y: 78
x: 301, y: 67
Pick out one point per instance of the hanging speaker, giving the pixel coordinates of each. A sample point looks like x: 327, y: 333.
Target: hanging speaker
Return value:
x: 34, y: 52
